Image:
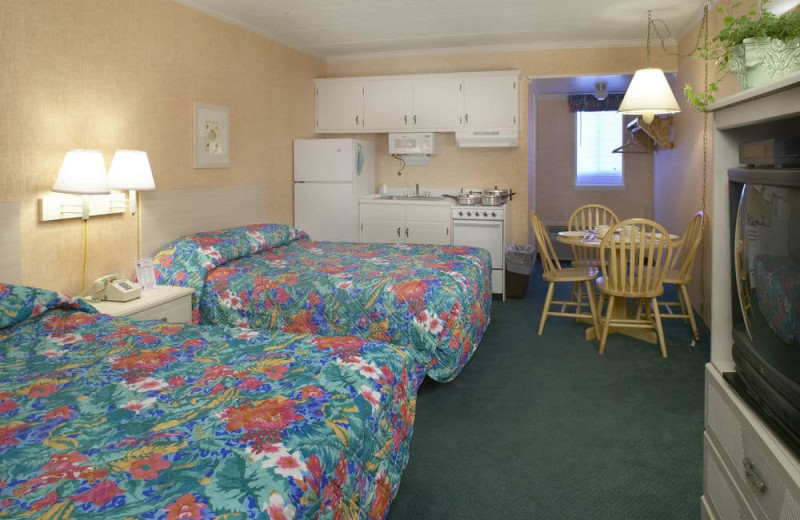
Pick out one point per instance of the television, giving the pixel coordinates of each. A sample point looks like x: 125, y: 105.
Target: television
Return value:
x: 765, y: 260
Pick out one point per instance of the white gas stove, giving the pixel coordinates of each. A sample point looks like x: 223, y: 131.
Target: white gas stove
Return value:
x: 488, y: 227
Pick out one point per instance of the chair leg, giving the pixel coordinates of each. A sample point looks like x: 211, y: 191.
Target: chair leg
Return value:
x: 689, y: 311
x: 592, y: 307
x: 546, y: 308
x: 606, y: 322
x: 682, y: 302
x: 659, y: 328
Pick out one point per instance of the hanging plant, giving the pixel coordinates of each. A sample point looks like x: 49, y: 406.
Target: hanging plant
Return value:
x: 758, y: 45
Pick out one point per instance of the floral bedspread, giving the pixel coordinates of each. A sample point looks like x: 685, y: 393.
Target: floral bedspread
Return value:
x: 104, y: 417
x: 778, y: 294
x: 436, y: 299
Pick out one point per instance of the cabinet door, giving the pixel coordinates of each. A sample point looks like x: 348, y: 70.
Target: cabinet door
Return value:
x: 382, y: 231
x: 339, y: 106
x: 427, y: 224
x: 491, y: 102
x: 438, y: 104
x: 387, y: 105
x: 428, y: 233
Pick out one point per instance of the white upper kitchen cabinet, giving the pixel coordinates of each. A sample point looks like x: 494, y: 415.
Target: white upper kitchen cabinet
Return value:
x: 387, y: 105
x: 438, y: 104
x: 340, y: 106
x: 491, y: 102
x: 452, y: 102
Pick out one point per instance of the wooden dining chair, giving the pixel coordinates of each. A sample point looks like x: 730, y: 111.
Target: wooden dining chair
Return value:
x: 588, y: 217
x: 635, y: 255
x: 680, y: 271
x: 555, y: 273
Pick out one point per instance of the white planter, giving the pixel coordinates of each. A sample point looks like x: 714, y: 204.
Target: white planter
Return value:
x: 760, y: 60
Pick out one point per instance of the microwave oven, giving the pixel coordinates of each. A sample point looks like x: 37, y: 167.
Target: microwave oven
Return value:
x: 417, y: 143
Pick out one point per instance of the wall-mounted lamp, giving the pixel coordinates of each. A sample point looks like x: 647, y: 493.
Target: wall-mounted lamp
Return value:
x: 83, y: 172
x: 130, y: 170
x: 649, y: 93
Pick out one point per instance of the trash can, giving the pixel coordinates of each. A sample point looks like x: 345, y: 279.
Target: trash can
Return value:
x: 519, y: 261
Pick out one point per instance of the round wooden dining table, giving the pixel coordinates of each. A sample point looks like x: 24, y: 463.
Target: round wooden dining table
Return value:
x: 590, y: 240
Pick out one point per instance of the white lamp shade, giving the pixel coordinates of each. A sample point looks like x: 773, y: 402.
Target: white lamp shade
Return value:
x: 82, y: 172
x: 130, y: 170
x: 649, y: 94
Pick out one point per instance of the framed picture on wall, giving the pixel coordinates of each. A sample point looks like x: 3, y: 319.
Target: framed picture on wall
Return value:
x: 211, y: 136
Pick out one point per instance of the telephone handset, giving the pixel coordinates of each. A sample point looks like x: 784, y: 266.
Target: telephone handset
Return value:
x: 115, y: 288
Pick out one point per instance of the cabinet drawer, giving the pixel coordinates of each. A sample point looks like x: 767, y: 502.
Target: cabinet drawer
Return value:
x: 428, y: 213
x: 176, y: 311
x: 719, y: 493
x: 382, y: 211
x: 732, y: 427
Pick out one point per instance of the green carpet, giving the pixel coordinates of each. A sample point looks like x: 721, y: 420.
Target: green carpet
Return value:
x: 542, y: 427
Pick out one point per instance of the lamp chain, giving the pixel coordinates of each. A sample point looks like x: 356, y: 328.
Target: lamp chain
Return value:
x: 704, y: 31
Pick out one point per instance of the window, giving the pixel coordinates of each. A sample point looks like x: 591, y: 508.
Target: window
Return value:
x: 597, y: 133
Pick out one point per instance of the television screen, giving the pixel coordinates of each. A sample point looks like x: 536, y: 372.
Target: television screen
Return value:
x: 765, y: 207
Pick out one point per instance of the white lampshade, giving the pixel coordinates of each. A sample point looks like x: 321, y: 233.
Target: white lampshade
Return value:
x: 648, y: 95
x: 82, y: 172
x: 130, y: 170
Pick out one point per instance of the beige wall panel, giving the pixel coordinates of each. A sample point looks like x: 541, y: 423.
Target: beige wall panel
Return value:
x: 486, y: 167
x: 112, y: 74
x: 556, y: 197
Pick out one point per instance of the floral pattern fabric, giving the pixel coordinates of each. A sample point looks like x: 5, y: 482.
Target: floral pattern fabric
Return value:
x: 436, y: 299
x: 778, y: 292
x: 104, y: 417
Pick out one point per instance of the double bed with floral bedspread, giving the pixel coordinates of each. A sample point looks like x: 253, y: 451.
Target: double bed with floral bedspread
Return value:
x: 434, y: 299
x: 104, y: 417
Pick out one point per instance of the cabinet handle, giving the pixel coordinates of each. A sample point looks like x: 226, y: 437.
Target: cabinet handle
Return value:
x: 755, y: 481
x: 406, y: 232
x: 415, y: 119
x: 466, y: 118
x: 405, y: 119
x: 356, y: 120
x: 398, y: 231
x: 447, y: 231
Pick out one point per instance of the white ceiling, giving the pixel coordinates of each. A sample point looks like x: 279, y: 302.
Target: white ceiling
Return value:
x: 343, y: 29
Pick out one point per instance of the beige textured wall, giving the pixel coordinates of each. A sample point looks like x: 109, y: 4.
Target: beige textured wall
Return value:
x: 678, y: 184
x: 556, y: 195
x: 484, y: 167
x: 112, y: 74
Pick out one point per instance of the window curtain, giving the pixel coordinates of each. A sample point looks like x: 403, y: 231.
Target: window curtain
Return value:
x: 589, y: 103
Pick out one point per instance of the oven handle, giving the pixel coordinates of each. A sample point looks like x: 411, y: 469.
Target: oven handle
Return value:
x: 476, y: 223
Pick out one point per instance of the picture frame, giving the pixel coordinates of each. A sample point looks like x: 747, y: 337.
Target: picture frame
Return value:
x: 211, y: 136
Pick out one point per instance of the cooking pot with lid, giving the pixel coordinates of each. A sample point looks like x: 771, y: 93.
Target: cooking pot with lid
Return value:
x: 466, y: 199
x: 492, y: 200
x: 495, y: 197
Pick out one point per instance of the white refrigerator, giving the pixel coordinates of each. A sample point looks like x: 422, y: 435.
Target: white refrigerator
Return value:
x: 329, y: 177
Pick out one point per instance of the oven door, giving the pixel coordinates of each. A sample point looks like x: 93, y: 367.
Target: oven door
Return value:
x: 487, y: 234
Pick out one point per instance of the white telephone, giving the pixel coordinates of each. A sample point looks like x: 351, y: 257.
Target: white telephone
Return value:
x: 114, y: 288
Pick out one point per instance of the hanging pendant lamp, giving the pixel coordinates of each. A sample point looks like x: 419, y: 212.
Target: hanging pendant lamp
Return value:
x: 649, y: 93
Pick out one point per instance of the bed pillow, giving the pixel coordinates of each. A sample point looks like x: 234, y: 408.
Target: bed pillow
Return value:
x: 188, y: 260
x: 18, y: 303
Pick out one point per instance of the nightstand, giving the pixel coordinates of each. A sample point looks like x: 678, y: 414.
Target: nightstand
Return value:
x: 162, y: 302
